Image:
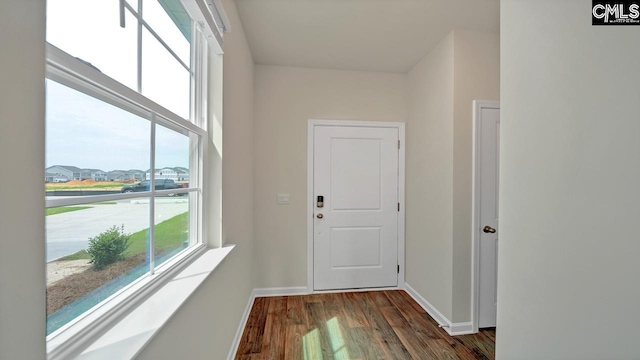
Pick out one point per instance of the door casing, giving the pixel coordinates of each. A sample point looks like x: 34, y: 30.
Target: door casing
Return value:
x: 312, y: 124
x: 478, y: 105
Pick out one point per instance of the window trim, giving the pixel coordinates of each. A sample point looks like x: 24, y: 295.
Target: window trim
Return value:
x: 72, y: 338
x: 80, y: 331
x: 69, y: 71
x: 201, y: 12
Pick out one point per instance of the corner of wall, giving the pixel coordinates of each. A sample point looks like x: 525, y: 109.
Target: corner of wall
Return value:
x: 476, y: 77
x: 429, y: 176
x: 22, y: 138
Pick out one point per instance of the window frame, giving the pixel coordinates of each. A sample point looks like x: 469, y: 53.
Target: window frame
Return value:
x: 63, y: 68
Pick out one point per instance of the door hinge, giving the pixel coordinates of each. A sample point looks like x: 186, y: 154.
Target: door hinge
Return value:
x: 398, y: 144
x: 398, y: 206
x: 398, y: 269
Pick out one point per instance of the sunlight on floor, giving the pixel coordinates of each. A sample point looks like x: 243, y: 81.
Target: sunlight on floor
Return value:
x: 312, y: 345
x: 338, y: 345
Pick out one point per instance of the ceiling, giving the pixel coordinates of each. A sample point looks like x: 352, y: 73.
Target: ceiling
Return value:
x: 368, y: 35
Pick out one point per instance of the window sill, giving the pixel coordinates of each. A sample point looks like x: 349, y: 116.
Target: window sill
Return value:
x: 128, y: 337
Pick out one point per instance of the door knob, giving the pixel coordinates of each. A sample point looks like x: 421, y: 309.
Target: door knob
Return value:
x: 319, y: 216
x: 489, y: 230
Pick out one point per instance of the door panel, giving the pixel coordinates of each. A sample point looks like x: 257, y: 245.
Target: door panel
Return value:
x: 356, y: 239
x: 364, y: 176
x: 489, y: 160
x: 355, y: 247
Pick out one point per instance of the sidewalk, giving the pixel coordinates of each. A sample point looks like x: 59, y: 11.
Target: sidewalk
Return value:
x: 69, y: 232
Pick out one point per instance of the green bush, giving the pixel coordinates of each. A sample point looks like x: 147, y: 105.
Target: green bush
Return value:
x: 108, y: 247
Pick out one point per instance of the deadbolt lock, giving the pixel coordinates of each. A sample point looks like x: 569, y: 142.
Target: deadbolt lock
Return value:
x: 319, y: 216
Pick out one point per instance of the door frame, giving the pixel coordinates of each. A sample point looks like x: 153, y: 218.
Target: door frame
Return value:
x: 478, y: 106
x: 312, y: 124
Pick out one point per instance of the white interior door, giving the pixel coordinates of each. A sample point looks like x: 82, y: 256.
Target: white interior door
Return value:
x: 488, y: 157
x: 355, y: 243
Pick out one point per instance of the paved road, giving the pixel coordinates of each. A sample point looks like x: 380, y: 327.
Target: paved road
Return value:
x: 69, y: 233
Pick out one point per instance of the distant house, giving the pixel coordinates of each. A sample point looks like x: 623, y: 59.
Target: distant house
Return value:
x: 70, y: 172
x: 75, y: 173
x: 55, y: 177
x: 96, y: 174
x: 182, y: 173
x: 116, y: 175
x: 126, y: 175
x: 137, y: 175
x: 173, y: 173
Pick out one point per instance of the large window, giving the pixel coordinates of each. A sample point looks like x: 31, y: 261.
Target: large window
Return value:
x: 125, y: 150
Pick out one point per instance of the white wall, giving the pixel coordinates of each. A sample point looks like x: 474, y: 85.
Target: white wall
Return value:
x: 476, y: 77
x: 568, y: 281
x: 462, y: 68
x: 206, y: 324
x: 22, y: 252
x: 429, y: 176
x: 285, y: 98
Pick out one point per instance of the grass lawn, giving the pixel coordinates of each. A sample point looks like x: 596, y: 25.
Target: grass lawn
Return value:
x: 170, y: 234
x: 64, y: 209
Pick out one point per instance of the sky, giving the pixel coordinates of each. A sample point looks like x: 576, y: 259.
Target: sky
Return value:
x: 85, y: 132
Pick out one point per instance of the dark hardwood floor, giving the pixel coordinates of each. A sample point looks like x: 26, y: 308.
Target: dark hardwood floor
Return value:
x: 355, y: 325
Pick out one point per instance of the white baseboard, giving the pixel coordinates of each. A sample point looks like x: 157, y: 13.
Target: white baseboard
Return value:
x: 426, y: 305
x: 450, y: 327
x: 284, y: 291
x: 462, y: 328
x: 243, y: 323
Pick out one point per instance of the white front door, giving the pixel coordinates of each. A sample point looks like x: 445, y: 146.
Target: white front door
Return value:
x: 355, y: 242
x: 487, y: 172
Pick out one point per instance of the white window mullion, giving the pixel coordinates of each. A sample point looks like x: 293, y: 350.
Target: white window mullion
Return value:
x: 194, y: 70
x: 203, y: 167
x: 199, y: 66
x: 195, y: 199
x: 152, y: 199
x: 139, y: 64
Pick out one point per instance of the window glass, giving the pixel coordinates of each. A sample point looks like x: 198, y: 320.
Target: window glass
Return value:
x: 93, y: 251
x: 172, y: 211
x: 164, y: 79
x: 170, y: 21
x: 92, y: 147
x: 171, y: 232
x: 173, y: 156
x: 90, y: 30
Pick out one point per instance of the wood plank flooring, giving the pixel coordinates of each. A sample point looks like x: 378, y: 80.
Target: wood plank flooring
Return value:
x: 356, y: 325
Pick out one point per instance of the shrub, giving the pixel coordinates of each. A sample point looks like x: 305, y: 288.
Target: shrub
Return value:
x: 108, y: 247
